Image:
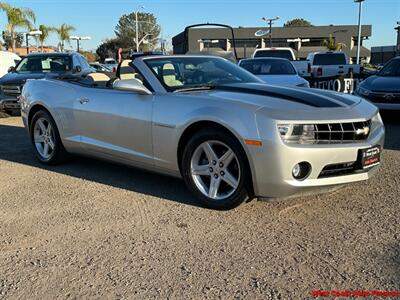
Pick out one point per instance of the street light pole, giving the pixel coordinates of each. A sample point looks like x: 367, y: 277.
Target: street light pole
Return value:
x: 270, y: 21
x: 78, y: 40
x: 31, y: 33
x: 359, y: 29
x: 27, y: 43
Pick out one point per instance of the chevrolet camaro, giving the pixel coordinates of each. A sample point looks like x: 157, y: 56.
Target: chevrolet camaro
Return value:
x: 230, y: 136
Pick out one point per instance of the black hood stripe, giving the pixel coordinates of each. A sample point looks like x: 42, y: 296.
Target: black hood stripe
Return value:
x: 336, y: 97
x: 303, y: 96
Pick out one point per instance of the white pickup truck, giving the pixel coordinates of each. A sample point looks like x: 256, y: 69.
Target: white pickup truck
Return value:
x: 330, y: 64
x: 284, y: 52
x: 7, y: 60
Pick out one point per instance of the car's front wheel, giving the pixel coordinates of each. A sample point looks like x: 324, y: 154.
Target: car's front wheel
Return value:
x: 214, y: 168
x: 46, y: 139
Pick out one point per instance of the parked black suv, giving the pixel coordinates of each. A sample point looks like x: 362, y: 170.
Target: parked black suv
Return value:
x: 37, y: 66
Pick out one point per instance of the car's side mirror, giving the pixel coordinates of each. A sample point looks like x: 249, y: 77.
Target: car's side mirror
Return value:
x: 11, y: 69
x: 131, y: 85
x: 77, y: 69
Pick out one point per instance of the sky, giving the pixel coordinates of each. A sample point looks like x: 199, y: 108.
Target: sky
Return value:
x: 98, y: 18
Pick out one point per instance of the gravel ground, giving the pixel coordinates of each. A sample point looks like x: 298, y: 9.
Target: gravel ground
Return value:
x: 90, y: 229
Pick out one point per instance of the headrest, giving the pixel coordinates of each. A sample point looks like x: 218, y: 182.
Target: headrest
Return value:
x: 98, y: 77
x: 169, y: 70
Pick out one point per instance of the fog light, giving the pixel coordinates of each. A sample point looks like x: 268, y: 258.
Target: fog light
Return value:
x: 301, y: 170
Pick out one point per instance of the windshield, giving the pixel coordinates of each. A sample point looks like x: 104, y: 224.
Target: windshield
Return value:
x: 43, y: 64
x: 268, y: 67
x: 392, y: 68
x: 182, y: 73
x: 329, y: 59
x: 274, y: 53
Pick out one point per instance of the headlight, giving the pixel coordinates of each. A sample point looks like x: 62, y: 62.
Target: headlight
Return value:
x: 363, y: 91
x: 293, y: 133
x: 376, y: 121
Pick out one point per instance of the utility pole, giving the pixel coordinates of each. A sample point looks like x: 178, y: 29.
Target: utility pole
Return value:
x: 137, y: 27
x: 398, y: 39
x: 359, y: 29
x: 270, y: 22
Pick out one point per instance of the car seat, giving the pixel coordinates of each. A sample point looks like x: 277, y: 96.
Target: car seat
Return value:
x: 169, y: 75
x: 97, y: 80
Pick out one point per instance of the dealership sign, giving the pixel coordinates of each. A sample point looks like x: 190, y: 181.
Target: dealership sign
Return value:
x: 338, y: 84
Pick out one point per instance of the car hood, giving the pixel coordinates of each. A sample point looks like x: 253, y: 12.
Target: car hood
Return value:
x: 285, y: 103
x: 382, y: 84
x: 285, y: 80
x: 15, y: 78
x: 286, y: 98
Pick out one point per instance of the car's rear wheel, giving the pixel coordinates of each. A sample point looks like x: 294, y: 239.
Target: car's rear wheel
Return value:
x: 46, y: 139
x: 214, y: 168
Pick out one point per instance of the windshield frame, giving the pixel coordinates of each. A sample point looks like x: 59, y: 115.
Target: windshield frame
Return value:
x: 207, y: 86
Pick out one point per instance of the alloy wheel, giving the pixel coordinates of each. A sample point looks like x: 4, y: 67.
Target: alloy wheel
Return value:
x: 215, y: 170
x: 44, y: 139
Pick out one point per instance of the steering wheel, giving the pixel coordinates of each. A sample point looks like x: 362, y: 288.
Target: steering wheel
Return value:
x: 198, y: 76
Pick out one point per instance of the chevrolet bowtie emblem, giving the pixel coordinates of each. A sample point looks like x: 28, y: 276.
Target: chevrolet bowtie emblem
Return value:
x: 362, y: 131
x: 389, y: 97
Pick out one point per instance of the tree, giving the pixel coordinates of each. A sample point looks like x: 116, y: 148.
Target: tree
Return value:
x: 90, y: 56
x: 17, y: 17
x: 46, y: 30
x: 108, y: 48
x: 64, y: 33
x: 18, y: 39
x: 331, y: 44
x: 148, y: 31
x: 298, y: 23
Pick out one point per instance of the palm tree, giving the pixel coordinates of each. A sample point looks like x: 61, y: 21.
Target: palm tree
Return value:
x: 64, y: 33
x: 46, y: 30
x: 331, y: 45
x: 17, y: 17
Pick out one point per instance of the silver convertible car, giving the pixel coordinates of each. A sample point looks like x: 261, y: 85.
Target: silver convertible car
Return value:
x: 229, y: 135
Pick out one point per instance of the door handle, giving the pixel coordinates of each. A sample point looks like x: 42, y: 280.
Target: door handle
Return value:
x: 83, y: 100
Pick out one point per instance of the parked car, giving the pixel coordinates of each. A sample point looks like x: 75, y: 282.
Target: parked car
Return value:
x: 284, y: 52
x: 102, y: 68
x: 383, y: 89
x: 330, y: 64
x: 277, y: 71
x: 228, y: 134
x: 111, y: 63
x: 37, y: 66
x: 7, y: 61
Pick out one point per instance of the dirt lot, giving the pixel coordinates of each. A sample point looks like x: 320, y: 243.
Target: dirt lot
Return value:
x: 90, y: 229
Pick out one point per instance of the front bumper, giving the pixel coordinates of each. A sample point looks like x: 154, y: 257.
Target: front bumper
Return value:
x: 9, y: 104
x: 272, y: 166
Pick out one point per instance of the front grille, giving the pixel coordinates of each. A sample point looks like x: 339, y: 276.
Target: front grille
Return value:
x: 338, y: 133
x: 379, y: 97
x: 340, y: 170
x: 11, y: 90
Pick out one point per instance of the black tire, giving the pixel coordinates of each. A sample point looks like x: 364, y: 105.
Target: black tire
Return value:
x: 59, y: 154
x: 244, y: 189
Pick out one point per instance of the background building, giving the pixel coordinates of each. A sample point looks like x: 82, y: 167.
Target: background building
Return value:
x: 381, y: 55
x: 22, y: 51
x: 203, y: 39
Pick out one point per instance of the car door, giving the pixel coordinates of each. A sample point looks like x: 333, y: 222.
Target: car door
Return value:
x: 115, y: 124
